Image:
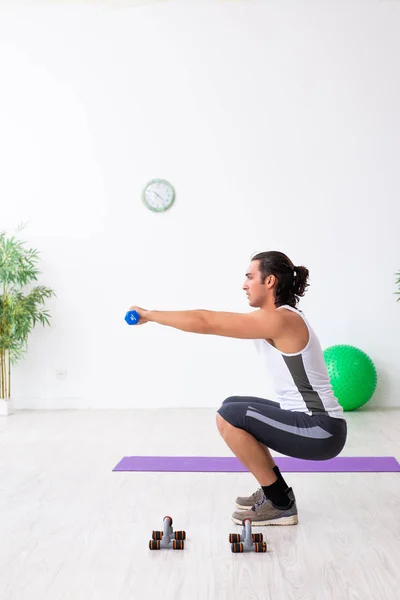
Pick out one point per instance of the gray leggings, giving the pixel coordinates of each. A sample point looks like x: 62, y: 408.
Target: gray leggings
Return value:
x: 311, y: 437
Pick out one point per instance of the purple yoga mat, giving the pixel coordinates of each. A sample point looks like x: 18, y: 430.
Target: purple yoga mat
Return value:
x: 217, y: 464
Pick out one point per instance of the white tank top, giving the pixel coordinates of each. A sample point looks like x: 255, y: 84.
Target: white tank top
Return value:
x: 301, y: 380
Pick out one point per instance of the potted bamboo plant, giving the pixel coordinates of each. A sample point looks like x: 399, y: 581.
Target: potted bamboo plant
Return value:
x: 20, y: 309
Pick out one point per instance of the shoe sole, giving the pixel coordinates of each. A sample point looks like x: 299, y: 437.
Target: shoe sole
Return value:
x: 292, y: 520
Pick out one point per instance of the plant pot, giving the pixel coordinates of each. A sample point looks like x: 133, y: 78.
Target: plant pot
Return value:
x: 6, y: 407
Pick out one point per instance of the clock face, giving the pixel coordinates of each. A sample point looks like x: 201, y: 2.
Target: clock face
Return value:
x: 158, y: 195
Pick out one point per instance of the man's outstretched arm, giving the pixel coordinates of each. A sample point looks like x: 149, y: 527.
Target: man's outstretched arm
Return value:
x: 259, y: 324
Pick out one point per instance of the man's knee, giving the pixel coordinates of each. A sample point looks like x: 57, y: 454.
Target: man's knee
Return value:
x: 232, y: 414
x: 223, y: 425
x: 220, y: 423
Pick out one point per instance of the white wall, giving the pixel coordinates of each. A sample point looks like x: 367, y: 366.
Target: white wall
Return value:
x: 278, y: 125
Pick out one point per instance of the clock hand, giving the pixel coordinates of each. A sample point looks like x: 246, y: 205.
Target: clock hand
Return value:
x: 162, y: 199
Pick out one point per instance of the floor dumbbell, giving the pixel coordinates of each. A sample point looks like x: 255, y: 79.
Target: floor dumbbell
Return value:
x: 247, y: 541
x: 167, y: 538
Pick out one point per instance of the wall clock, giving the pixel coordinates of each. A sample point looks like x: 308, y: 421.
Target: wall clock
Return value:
x: 158, y: 195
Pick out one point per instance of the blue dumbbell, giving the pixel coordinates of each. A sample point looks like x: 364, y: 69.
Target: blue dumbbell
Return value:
x: 132, y: 317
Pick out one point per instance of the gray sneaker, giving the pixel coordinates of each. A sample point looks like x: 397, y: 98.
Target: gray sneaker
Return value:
x: 244, y: 503
x: 265, y: 513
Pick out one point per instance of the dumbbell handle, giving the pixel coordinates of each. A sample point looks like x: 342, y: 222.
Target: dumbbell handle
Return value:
x: 132, y: 317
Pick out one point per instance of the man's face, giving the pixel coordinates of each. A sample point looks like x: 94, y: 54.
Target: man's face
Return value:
x: 255, y: 290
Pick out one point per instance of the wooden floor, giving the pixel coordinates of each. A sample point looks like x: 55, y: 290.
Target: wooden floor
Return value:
x: 72, y: 529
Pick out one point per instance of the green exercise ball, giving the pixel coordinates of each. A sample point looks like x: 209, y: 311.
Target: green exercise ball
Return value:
x: 352, y: 374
